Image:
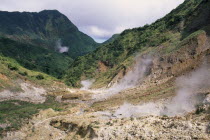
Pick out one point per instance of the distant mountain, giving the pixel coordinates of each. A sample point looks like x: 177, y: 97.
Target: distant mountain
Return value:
x: 45, y: 29
x: 46, y: 41
x: 161, y: 37
x: 111, y: 39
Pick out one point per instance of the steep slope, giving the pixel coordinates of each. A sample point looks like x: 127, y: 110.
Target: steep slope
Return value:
x: 165, y: 34
x: 45, y: 29
x: 35, y: 57
x: 12, y: 74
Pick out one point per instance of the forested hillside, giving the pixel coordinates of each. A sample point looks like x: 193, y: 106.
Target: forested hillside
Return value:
x: 45, y: 29
x: 190, y: 18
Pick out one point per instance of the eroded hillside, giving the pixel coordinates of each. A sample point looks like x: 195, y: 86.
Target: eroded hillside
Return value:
x: 151, y: 82
x: 167, y: 33
x: 170, y: 100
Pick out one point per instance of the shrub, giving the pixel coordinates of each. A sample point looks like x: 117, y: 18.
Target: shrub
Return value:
x: 23, y: 73
x: 12, y: 67
x: 40, y: 77
x: 199, y: 110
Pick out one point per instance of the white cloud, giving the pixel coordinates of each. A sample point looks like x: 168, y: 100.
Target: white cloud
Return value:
x: 94, y: 30
x: 102, y: 17
x: 101, y: 33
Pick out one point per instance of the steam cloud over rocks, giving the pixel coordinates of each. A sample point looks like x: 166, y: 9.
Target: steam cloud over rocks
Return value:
x: 129, y: 110
x: 131, y: 79
x: 61, y: 48
x: 186, y: 100
x: 86, y: 84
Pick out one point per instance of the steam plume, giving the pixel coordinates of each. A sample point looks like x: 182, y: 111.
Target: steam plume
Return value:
x: 61, y: 48
x: 186, y: 98
x: 129, y: 110
x: 131, y: 79
x: 86, y: 84
x: 185, y: 101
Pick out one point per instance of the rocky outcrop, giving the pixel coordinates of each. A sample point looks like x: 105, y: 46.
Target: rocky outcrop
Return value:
x: 71, y: 124
x: 77, y: 95
x: 80, y: 131
x: 192, y: 53
x: 189, y: 55
x: 149, y: 127
x: 153, y: 128
x: 102, y: 67
x: 117, y: 77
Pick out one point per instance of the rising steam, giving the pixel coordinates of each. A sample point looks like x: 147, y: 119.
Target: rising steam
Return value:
x: 86, y: 84
x: 131, y: 79
x: 185, y: 101
x: 61, y: 48
x: 186, y: 98
x: 129, y: 110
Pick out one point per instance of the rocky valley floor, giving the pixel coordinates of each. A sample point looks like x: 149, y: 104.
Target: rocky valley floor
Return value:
x: 80, y: 120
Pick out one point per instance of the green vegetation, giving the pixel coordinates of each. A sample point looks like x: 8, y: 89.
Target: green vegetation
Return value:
x: 40, y: 77
x: 11, y: 71
x: 27, y: 52
x: 166, y: 33
x: 17, y: 113
x: 33, y: 43
x: 35, y: 57
x: 31, y: 39
x: 192, y: 36
x: 45, y: 29
x: 14, y: 114
x: 115, y: 36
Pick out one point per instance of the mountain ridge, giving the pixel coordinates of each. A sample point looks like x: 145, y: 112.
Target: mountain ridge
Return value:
x: 35, y: 39
x: 45, y: 28
x: 168, y: 31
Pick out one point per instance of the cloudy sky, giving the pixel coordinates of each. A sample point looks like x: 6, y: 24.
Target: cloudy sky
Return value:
x: 99, y: 19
